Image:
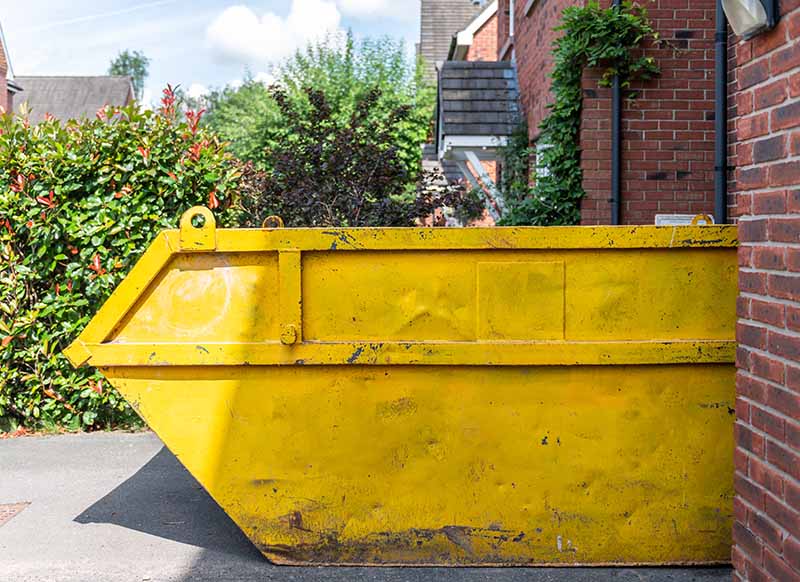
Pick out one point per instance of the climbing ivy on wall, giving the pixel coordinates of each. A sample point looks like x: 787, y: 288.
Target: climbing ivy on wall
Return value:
x: 607, y: 38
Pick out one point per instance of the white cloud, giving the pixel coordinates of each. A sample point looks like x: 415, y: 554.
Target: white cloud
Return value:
x: 196, y: 91
x: 367, y: 9
x: 265, y: 78
x: 241, y: 35
x: 148, y: 98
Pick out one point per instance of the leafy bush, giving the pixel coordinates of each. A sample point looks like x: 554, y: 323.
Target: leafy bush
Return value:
x: 79, y: 203
x: 327, y: 173
x: 344, y: 71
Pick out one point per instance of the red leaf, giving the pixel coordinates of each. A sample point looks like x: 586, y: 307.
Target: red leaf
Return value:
x: 6, y: 340
x: 96, y: 266
x: 213, y: 201
x: 49, y: 201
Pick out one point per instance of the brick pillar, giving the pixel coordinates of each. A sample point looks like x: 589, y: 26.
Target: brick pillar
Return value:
x: 767, y: 184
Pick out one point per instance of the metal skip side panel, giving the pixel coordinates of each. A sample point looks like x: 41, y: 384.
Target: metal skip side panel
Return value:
x: 466, y: 397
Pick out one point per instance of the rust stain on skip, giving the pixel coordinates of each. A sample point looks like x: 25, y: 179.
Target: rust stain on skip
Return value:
x: 457, y: 397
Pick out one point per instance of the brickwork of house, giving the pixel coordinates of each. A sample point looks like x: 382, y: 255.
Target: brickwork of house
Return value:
x: 533, y: 39
x: 5, y: 95
x: 503, y: 40
x: 667, y: 130
x: 767, y: 187
x: 484, y: 43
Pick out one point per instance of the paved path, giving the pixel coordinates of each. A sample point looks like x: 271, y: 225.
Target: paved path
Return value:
x: 119, y: 507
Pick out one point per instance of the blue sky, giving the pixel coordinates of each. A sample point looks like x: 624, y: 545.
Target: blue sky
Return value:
x: 194, y: 43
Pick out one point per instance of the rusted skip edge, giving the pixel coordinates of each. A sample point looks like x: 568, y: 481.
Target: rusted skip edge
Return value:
x: 404, y: 353
x: 551, y: 238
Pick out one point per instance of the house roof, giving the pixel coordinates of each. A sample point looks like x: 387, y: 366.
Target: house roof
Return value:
x: 440, y: 20
x: 477, y: 100
x: 72, y: 97
x: 5, y: 61
x: 463, y: 39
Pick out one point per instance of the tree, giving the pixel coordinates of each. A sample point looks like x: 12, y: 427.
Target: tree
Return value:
x: 240, y: 115
x: 325, y: 173
x: 344, y: 71
x: 134, y: 65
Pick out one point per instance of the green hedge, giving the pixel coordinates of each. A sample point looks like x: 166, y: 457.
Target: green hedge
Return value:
x: 79, y: 203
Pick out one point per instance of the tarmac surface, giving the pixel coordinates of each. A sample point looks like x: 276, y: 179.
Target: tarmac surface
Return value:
x: 115, y: 507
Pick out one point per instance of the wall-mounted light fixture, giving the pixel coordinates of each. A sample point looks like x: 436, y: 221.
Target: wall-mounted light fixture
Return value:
x: 749, y: 18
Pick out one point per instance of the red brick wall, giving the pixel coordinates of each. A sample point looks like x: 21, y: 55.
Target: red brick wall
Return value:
x: 533, y: 40
x: 4, y: 96
x: 502, y: 28
x: 668, y: 130
x: 767, y: 185
x: 484, y: 43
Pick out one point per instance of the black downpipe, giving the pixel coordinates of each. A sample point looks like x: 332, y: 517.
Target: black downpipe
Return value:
x: 616, y: 145
x: 721, y: 118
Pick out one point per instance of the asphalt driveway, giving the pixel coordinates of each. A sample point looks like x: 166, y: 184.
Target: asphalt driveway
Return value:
x: 119, y: 507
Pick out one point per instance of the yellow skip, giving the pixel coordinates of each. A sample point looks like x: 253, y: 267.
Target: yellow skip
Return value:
x: 508, y: 396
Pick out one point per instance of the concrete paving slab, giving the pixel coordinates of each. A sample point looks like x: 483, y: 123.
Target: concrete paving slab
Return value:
x: 115, y: 507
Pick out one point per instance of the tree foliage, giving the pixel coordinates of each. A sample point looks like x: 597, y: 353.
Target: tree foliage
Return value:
x: 133, y: 64
x: 79, y: 203
x: 344, y: 71
x: 323, y: 172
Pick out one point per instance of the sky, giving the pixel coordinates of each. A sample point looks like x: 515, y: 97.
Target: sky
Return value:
x: 197, y: 44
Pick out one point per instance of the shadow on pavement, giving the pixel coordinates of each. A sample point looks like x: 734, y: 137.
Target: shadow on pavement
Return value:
x: 164, y: 500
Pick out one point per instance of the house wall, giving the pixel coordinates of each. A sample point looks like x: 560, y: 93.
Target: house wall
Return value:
x: 484, y: 48
x: 767, y: 187
x: 533, y: 39
x: 5, y: 95
x: 503, y: 17
x: 667, y: 130
x: 484, y: 42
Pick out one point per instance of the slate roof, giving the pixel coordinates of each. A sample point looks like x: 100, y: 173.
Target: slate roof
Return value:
x: 478, y: 99
x: 440, y: 20
x: 71, y: 97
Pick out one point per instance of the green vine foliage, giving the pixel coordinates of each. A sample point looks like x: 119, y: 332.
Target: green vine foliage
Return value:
x: 595, y: 38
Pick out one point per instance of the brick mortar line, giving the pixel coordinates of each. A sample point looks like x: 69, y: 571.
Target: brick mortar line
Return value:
x: 768, y: 243
x: 754, y: 217
x: 770, y: 163
x: 782, y: 474
x: 755, y: 509
x: 756, y: 296
x: 773, y: 328
x: 767, y: 437
x: 790, y: 363
x: 763, y: 514
x: 766, y: 407
x: 790, y: 99
x: 760, y: 270
x: 770, y: 298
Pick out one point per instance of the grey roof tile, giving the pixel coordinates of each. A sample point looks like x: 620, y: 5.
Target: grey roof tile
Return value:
x: 478, y: 98
x: 71, y: 97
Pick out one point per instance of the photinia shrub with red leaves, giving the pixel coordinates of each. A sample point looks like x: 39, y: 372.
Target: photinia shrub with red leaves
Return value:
x: 79, y: 203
